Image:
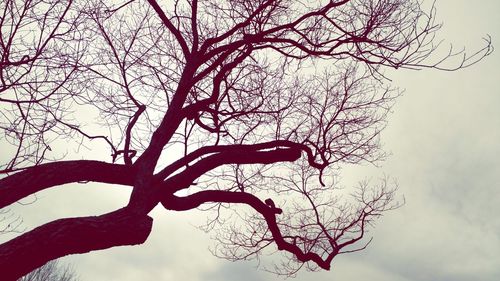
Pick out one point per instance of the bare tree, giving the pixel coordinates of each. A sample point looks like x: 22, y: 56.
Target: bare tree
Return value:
x: 247, y: 107
x: 51, y: 271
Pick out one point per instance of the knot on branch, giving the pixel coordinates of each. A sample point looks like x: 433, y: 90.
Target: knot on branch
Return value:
x: 269, y: 202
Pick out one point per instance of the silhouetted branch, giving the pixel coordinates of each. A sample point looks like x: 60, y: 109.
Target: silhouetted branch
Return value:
x: 71, y: 236
x: 34, y: 179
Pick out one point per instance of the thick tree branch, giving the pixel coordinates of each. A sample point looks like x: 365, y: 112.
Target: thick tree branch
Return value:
x: 218, y: 196
x: 170, y: 122
x: 34, y: 179
x: 171, y: 27
x: 232, y: 156
x: 71, y: 236
x: 231, y: 149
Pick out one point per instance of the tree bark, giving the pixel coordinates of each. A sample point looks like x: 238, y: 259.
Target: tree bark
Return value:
x: 67, y: 236
x: 34, y: 179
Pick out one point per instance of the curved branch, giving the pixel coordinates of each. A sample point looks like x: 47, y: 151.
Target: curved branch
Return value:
x: 71, y: 236
x: 218, y: 196
x: 232, y: 149
x: 127, y: 153
x: 171, y: 27
x: 235, y: 156
x: 37, y: 178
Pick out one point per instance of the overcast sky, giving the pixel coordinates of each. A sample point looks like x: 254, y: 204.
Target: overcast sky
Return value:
x: 444, y: 136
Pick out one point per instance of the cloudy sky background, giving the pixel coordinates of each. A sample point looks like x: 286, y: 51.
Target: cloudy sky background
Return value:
x: 444, y: 136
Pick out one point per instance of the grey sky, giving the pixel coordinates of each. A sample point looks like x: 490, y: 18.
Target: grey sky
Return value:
x: 444, y: 137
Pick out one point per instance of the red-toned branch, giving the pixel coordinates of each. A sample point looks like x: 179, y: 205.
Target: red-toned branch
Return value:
x: 170, y: 122
x: 238, y: 26
x: 234, y: 156
x: 71, y: 236
x: 194, y: 25
x: 269, y: 214
x: 231, y: 150
x: 34, y: 179
x: 127, y: 153
x: 171, y: 27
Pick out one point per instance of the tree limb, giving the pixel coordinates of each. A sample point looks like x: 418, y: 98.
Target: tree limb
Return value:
x: 62, y: 237
x: 37, y: 178
x: 208, y: 196
x: 171, y: 27
x: 237, y: 156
